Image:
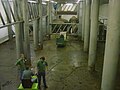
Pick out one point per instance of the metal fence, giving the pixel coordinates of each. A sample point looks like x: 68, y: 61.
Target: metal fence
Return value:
x: 68, y: 7
x: 12, y: 12
x: 69, y: 28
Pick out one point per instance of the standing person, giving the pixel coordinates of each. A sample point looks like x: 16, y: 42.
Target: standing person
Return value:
x: 21, y: 64
x: 41, y: 67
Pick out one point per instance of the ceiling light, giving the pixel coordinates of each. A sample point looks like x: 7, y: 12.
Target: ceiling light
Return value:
x: 53, y: 2
x: 44, y: 3
x: 45, y: 0
x: 32, y: 1
x: 69, y: 4
x: 78, y: 1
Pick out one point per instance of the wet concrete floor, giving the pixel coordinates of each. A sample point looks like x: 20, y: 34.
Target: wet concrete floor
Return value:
x: 67, y: 66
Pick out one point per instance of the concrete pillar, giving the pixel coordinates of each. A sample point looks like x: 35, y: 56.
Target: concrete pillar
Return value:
x: 78, y: 9
x: 79, y: 17
x: 48, y: 3
x: 87, y: 25
x: 19, y: 3
x: 18, y: 40
x: 26, y: 31
x: 20, y: 13
x: 18, y: 33
x: 49, y: 18
x: 21, y: 25
x: 36, y: 34
x: 10, y: 32
x: 112, y: 47
x: 51, y: 14
x: 83, y: 18
x: 93, y: 34
x: 46, y: 25
x: 40, y: 25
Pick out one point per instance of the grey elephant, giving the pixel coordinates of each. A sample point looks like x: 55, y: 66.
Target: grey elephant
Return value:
x: 57, y: 28
x: 74, y: 27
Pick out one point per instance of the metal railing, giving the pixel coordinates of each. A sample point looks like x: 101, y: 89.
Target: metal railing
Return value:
x: 33, y: 10
x: 67, y: 7
x: 12, y: 13
x: 69, y: 28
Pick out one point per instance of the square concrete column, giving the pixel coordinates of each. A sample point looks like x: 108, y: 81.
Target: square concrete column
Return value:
x: 93, y: 34
x: 87, y: 25
x: 49, y: 8
x: 36, y: 34
x: 112, y: 47
x: 40, y: 24
x: 83, y: 18
x: 18, y: 29
x: 79, y: 18
x: 26, y: 31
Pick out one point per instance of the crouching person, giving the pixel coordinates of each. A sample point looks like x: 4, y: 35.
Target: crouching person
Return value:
x: 27, y: 80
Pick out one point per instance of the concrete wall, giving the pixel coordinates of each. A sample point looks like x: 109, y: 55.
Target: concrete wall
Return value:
x: 3, y: 31
x: 103, y: 11
x: 3, y: 35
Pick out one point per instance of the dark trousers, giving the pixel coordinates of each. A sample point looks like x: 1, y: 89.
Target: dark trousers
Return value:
x: 21, y: 73
x: 41, y: 74
x: 27, y: 83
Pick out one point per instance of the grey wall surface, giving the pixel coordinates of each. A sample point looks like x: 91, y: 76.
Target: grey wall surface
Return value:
x: 103, y: 13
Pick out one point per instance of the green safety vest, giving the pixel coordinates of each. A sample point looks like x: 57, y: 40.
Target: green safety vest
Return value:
x: 21, y: 64
x: 41, y: 65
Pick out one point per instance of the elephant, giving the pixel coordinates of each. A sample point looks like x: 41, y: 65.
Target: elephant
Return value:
x: 57, y: 28
x: 74, y: 27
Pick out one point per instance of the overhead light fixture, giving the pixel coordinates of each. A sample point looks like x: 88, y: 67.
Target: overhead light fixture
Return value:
x: 53, y: 1
x: 32, y: 1
x: 44, y: 3
x: 78, y: 1
x: 69, y: 4
x: 45, y: 0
